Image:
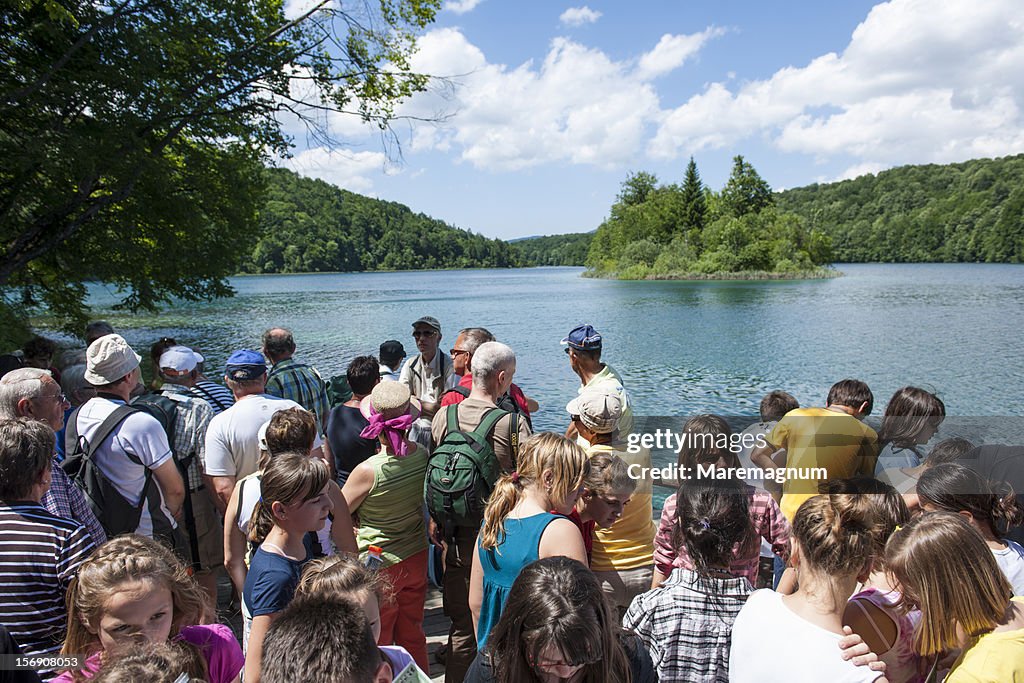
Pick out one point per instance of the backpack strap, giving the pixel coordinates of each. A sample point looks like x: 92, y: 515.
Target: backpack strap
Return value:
x: 106, y: 428
x: 487, y: 423
x: 241, y: 493
x: 460, y: 390
x: 452, y: 418
x: 513, y: 438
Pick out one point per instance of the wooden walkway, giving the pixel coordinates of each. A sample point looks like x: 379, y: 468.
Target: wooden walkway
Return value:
x: 435, y: 624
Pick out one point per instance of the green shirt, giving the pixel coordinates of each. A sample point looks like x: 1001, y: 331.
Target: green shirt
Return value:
x: 391, y: 515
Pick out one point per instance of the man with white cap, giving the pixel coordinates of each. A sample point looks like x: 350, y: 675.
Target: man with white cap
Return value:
x: 177, y: 366
x: 137, y: 445
x: 232, y: 444
x: 622, y: 556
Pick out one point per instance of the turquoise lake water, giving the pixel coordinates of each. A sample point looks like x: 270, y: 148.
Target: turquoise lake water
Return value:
x: 682, y: 347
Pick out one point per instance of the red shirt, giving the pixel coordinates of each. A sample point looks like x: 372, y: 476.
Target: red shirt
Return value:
x: 450, y: 398
x: 587, y: 529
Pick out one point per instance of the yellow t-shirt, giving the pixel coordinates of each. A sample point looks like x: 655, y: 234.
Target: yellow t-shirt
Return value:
x: 629, y: 543
x: 839, y: 443
x: 993, y: 657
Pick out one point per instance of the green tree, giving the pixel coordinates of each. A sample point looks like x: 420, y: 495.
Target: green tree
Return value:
x: 745, y: 191
x: 636, y: 187
x: 693, y: 199
x: 134, y: 133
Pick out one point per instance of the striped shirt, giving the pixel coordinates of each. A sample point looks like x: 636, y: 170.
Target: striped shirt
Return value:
x: 219, y: 397
x: 39, y: 555
x: 686, y: 625
x: 302, y: 384
x: 769, y: 524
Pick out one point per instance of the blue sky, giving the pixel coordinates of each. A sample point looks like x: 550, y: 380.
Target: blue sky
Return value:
x: 556, y: 102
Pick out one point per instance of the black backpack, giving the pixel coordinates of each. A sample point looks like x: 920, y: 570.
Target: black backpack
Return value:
x: 114, y: 512
x: 462, y: 470
x: 506, y: 403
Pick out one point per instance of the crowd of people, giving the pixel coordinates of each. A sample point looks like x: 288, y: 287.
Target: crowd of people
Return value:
x: 333, y: 504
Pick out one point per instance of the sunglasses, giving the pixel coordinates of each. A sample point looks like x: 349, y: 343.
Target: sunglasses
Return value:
x: 456, y: 352
x: 423, y: 333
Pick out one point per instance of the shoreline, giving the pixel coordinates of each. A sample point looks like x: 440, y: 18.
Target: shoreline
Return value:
x: 741, y: 276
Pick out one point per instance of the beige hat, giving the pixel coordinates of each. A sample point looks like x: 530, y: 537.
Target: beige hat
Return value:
x: 108, y: 359
x: 390, y: 399
x: 599, y: 409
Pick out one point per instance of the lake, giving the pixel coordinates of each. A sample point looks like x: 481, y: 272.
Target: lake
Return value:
x: 682, y: 347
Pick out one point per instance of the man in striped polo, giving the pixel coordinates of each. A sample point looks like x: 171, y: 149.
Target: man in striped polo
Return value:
x: 39, y: 552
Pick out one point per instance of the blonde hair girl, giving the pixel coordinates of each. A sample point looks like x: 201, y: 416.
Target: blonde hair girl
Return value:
x: 295, y: 500
x: 519, y: 527
x: 945, y: 569
x: 133, y: 588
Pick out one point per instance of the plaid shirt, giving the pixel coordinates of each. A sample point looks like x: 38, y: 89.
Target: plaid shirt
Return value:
x: 686, y: 625
x: 190, y: 422
x: 769, y: 524
x: 302, y: 384
x: 66, y: 500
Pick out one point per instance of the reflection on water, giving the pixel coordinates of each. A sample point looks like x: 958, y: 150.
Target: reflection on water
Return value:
x: 683, y: 347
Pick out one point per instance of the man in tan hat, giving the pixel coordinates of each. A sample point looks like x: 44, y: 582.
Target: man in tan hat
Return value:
x: 136, y: 444
x: 428, y: 375
x: 623, y: 553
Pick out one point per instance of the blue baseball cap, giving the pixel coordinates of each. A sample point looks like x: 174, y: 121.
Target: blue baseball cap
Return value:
x: 583, y: 338
x: 245, y: 364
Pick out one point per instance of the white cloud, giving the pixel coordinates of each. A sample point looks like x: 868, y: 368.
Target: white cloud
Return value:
x: 920, y: 81
x: 461, y: 6
x: 577, y: 105
x: 672, y: 51
x: 577, y: 16
x: 347, y: 169
x: 296, y: 8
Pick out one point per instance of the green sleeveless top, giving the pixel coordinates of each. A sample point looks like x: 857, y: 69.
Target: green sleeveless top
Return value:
x: 391, y: 515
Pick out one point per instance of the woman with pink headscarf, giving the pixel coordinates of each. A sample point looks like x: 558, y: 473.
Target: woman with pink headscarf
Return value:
x: 385, y: 493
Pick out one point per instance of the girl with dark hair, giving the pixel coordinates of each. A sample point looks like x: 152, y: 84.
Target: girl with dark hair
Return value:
x: 706, y: 445
x: 557, y: 628
x: 955, y: 488
x: 686, y: 623
x: 911, y: 418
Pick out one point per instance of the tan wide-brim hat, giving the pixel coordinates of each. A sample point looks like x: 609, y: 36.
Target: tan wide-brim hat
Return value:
x: 390, y: 399
x: 108, y: 359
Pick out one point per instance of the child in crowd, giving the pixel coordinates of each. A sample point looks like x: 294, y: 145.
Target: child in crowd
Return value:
x: 295, y: 501
x: 606, y: 491
x: 686, y: 623
x: 703, y: 445
x: 288, y: 431
x: 556, y: 626
x: 795, y: 638
x: 386, y: 492
x: 134, y: 589
x: 345, y: 577
x: 518, y: 527
x: 149, y: 662
x: 911, y: 419
x: 904, y: 479
x: 875, y: 612
x: 955, y: 488
x: 323, y: 641
x: 774, y: 406
x: 944, y: 568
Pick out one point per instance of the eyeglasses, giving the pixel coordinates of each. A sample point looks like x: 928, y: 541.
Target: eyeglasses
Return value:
x: 423, y: 333
x: 567, y: 349
x: 60, y: 397
x: 574, y: 418
x: 456, y: 352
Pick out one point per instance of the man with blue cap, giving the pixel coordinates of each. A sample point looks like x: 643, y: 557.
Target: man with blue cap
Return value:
x: 583, y: 346
x: 232, y: 439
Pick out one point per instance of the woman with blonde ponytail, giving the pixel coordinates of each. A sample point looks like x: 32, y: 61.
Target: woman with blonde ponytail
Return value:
x: 796, y: 638
x: 520, y: 527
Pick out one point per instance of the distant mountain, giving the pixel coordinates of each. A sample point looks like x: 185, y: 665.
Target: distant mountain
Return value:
x: 308, y: 225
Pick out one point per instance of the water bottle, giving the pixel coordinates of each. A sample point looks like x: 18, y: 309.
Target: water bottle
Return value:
x: 374, y: 558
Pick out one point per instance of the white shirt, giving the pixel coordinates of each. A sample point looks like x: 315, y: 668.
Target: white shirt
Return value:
x: 1011, y: 560
x: 232, y: 441
x: 139, y: 434
x: 771, y: 643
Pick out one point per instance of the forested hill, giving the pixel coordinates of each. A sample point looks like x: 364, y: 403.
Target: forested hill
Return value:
x: 972, y: 211
x: 554, y: 250
x: 311, y: 226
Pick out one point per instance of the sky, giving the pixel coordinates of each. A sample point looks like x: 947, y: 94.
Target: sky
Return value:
x: 555, y: 103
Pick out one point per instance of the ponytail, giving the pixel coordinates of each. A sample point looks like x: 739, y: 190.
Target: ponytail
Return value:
x: 541, y: 452
x: 290, y: 477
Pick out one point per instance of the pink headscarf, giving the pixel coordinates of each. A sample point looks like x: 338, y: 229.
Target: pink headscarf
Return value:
x: 394, y: 430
